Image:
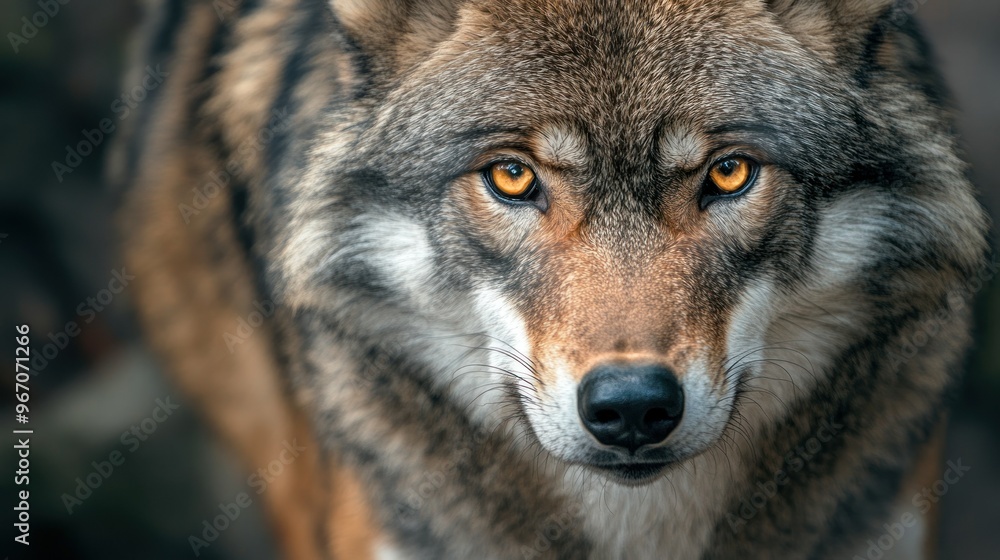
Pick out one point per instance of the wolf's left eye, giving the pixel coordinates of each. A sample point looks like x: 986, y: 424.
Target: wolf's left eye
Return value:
x: 732, y: 175
x: 511, y: 180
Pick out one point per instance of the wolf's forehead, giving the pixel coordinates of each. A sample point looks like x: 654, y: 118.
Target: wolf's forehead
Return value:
x: 626, y: 64
x: 563, y: 144
x: 654, y: 78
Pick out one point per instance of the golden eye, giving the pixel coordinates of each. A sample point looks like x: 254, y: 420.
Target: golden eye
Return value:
x: 731, y: 175
x: 510, y: 179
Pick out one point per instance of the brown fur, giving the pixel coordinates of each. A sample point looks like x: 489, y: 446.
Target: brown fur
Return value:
x: 617, y: 112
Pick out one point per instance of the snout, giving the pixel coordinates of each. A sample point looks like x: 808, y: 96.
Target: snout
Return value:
x: 629, y: 406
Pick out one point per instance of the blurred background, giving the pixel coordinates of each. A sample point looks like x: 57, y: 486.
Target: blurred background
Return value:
x: 60, y: 271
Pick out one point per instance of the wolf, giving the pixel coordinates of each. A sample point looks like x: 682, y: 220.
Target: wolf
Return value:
x: 567, y: 279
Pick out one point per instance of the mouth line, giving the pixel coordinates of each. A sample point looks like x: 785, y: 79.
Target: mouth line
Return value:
x: 629, y: 463
x: 633, y: 474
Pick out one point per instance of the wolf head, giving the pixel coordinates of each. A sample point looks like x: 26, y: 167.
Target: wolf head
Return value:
x: 642, y: 229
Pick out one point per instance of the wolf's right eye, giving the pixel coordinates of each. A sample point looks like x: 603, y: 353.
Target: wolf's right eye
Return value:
x: 731, y: 175
x: 728, y: 178
x: 511, y: 180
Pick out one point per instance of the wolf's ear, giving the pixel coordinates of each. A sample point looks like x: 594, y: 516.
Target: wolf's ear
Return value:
x: 393, y: 33
x: 829, y: 26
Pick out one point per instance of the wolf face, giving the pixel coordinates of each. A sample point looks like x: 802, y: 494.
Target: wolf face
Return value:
x: 645, y: 228
x: 606, y: 263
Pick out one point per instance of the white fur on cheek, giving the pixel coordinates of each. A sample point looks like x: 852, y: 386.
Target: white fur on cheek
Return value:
x: 787, y: 341
x: 703, y: 420
x: 399, y: 251
x: 398, y: 247
x: 506, y: 346
x: 385, y: 550
x: 555, y: 419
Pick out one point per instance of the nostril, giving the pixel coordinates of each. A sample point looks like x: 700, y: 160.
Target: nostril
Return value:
x: 656, y: 416
x: 607, y: 416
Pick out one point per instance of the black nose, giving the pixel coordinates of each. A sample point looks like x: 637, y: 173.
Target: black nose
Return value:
x: 630, y: 405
